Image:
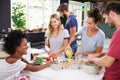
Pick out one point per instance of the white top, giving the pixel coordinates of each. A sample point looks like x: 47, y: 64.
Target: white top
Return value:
x: 11, y: 71
x: 56, y: 42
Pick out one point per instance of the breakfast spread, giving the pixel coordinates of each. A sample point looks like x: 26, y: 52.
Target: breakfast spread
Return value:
x: 73, y: 64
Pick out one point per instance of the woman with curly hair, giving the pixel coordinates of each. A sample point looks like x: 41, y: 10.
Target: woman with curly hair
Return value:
x: 16, y: 46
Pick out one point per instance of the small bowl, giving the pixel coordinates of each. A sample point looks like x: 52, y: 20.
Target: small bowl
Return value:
x: 56, y: 67
x: 91, y: 68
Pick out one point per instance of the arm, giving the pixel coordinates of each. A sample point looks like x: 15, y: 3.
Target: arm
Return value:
x: 91, y: 56
x: 98, y: 50
x: 47, y: 47
x: 73, y: 26
x: 24, y: 60
x: 112, y: 53
x: 72, y: 31
x: 37, y: 67
x: 105, y: 61
x: 72, y: 38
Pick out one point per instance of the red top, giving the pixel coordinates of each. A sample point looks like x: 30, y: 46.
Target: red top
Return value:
x: 113, y: 72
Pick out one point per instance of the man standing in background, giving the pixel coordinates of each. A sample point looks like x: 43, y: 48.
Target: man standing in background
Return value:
x: 71, y: 23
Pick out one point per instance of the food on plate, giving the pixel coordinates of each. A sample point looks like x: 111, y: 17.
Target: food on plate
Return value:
x: 52, y: 58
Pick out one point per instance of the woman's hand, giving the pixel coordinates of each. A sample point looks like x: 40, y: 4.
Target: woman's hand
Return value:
x: 77, y: 53
x: 50, y: 53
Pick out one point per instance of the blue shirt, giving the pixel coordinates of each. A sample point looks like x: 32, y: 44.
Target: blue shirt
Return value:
x: 70, y: 23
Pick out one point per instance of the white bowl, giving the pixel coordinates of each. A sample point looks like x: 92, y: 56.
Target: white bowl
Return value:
x: 91, y: 68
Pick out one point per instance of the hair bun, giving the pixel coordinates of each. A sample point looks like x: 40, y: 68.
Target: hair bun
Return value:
x: 95, y: 10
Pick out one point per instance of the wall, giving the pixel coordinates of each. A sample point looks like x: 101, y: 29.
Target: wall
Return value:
x: 106, y: 29
x: 5, y: 21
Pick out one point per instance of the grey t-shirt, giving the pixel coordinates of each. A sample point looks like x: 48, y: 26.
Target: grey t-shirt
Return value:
x: 56, y: 42
x: 89, y: 43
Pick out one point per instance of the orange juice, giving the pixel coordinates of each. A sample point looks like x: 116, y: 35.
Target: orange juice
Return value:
x: 69, y: 54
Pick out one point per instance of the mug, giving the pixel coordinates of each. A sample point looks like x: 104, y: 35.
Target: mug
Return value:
x: 39, y: 60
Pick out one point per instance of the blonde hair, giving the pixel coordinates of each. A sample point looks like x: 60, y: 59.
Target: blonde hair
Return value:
x: 50, y: 28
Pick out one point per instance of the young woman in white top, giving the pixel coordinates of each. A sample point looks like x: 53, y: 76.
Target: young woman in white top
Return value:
x: 56, y: 37
x: 16, y: 46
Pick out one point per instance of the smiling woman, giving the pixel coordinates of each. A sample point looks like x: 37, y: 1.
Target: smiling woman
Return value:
x: 56, y: 37
x: 92, y: 37
x: 16, y: 46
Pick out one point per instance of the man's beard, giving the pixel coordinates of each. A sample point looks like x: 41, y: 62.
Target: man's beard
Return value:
x: 63, y: 16
x: 112, y: 25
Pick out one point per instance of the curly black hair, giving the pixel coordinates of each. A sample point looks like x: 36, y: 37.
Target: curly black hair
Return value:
x: 12, y: 41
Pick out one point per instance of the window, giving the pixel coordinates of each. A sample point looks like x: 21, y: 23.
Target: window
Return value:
x: 37, y: 12
x: 80, y: 11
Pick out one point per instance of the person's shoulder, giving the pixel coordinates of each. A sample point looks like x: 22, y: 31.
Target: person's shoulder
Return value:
x: 73, y: 16
x: 84, y: 27
x: 118, y: 30
x: 18, y: 61
x: 65, y: 31
x: 101, y: 33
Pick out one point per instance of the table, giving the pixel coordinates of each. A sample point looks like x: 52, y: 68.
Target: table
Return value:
x: 64, y: 74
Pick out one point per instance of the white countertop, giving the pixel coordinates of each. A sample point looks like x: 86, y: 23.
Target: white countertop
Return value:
x: 64, y: 74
